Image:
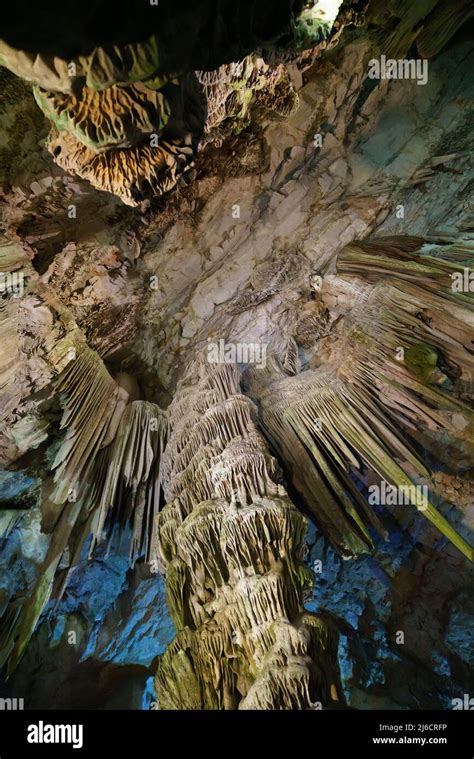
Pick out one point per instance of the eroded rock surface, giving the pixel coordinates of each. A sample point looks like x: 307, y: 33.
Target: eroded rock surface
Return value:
x: 315, y: 236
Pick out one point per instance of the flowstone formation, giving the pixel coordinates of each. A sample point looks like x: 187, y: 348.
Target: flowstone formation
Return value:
x: 232, y: 544
x: 396, y: 345
x: 129, y: 118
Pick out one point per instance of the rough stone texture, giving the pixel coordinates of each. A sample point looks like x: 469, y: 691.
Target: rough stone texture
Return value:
x: 116, y: 96
x: 236, y: 255
x: 231, y: 542
x: 116, y: 117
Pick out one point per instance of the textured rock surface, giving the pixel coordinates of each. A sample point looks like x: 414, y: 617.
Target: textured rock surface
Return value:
x: 119, y: 116
x: 232, y: 542
x: 132, y: 99
x: 266, y: 246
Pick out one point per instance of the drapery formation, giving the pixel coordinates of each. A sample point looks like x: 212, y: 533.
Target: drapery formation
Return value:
x: 232, y: 543
x: 395, y: 362
x: 386, y: 345
x: 107, y: 473
x: 378, y: 381
x: 129, y: 117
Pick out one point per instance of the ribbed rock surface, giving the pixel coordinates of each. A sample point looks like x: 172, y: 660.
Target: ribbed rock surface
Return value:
x: 115, y: 117
x: 134, y: 174
x: 231, y: 542
x: 328, y: 236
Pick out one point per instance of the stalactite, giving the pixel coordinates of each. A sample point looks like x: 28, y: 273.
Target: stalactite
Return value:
x: 131, y: 173
x: 234, y: 88
x: 387, y: 337
x: 91, y: 400
x: 115, y: 117
x: 133, y: 479
x: 105, y: 105
x: 108, y: 473
x: 381, y: 372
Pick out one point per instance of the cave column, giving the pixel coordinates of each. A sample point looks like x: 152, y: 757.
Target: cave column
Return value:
x: 232, y: 543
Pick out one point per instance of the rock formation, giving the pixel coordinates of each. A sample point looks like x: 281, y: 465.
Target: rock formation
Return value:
x: 125, y: 117
x: 237, y: 297
x: 232, y: 542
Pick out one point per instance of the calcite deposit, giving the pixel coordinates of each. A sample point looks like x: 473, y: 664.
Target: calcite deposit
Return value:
x: 236, y: 357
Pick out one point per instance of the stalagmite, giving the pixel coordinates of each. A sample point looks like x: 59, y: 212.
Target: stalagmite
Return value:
x: 236, y: 294
x: 232, y: 542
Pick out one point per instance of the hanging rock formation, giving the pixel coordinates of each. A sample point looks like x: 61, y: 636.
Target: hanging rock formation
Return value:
x: 377, y: 379
x: 127, y: 117
x: 107, y: 470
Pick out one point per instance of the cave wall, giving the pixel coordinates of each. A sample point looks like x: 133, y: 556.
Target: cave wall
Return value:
x: 233, y: 255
